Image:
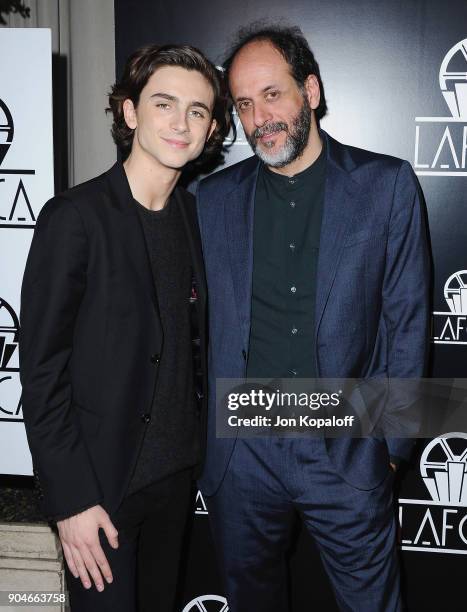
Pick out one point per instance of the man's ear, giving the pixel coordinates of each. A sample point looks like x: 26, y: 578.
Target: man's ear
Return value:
x: 211, y: 129
x: 129, y: 112
x: 312, y: 91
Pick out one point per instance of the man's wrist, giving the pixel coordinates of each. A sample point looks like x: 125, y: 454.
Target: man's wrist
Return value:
x: 67, y: 515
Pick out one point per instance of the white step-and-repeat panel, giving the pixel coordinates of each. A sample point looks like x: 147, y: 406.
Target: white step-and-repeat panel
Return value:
x: 26, y: 183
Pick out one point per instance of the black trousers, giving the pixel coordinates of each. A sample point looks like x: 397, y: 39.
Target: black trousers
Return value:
x: 151, y: 524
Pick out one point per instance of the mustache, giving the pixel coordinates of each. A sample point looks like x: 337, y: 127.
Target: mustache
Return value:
x: 270, y: 128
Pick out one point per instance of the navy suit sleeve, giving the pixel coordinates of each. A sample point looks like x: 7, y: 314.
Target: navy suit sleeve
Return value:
x: 405, y: 302
x: 53, y: 287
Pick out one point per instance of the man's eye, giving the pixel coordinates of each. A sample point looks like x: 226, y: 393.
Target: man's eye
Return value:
x: 162, y: 105
x: 197, y: 114
x: 272, y: 94
x: 242, y: 106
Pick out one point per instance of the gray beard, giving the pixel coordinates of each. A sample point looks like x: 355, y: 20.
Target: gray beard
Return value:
x: 295, y: 142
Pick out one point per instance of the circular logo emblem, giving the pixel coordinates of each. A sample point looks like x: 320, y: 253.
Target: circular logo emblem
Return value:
x: 452, y: 81
x: 443, y: 467
x: 207, y: 603
x: 455, y: 292
x: 7, y: 130
x: 9, y: 331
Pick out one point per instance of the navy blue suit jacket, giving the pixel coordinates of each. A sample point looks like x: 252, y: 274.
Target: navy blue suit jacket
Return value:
x: 372, y: 289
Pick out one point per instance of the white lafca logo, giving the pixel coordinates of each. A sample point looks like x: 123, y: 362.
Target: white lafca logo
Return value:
x: 207, y: 603
x: 441, y: 142
x: 451, y: 327
x: 446, y: 479
x: 456, y: 98
x: 455, y: 292
x: 439, y: 524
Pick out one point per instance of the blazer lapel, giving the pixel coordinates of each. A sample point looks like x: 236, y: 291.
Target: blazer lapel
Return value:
x: 188, y: 212
x: 239, y: 216
x: 133, y: 240
x: 341, y: 199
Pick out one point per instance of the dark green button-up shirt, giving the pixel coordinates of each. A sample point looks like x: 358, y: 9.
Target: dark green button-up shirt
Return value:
x: 287, y: 224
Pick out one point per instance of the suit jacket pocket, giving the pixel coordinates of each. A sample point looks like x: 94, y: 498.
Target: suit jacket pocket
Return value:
x: 90, y: 421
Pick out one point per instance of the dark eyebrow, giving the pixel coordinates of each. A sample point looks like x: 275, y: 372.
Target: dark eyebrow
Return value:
x: 264, y: 90
x: 165, y: 96
x: 175, y: 99
x: 201, y: 105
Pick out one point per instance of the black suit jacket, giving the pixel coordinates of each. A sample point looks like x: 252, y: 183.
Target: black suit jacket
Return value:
x: 91, y: 340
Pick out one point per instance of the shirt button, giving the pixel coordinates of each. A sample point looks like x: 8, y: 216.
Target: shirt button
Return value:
x: 293, y: 289
x: 294, y: 330
x: 292, y: 204
x: 292, y: 246
x: 145, y: 418
x: 155, y: 359
x: 292, y: 181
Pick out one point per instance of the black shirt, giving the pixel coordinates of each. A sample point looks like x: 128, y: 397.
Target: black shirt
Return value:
x: 171, y: 441
x: 287, y: 224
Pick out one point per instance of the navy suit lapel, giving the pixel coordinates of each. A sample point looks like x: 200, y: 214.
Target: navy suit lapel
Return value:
x: 341, y: 199
x: 239, y: 217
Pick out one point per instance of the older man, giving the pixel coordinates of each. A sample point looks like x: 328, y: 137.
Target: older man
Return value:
x: 316, y: 263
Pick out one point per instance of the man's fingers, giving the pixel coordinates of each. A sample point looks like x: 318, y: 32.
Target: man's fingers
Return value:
x: 110, y: 532
x: 92, y: 568
x: 81, y: 568
x: 69, y: 559
x: 81, y: 546
x: 102, y: 562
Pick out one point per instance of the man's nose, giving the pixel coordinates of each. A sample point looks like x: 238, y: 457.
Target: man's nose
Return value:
x: 261, y: 114
x: 179, y: 122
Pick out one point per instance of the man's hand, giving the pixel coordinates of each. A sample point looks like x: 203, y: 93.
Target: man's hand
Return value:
x: 393, y: 466
x: 79, y: 535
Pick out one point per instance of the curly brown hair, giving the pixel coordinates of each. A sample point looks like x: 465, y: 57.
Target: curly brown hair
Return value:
x: 137, y: 71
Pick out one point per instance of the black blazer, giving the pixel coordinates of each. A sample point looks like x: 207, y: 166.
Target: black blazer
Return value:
x: 91, y: 340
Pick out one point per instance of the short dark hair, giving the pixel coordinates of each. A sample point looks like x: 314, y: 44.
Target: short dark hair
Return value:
x: 291, y: 44
x: 137, y: 71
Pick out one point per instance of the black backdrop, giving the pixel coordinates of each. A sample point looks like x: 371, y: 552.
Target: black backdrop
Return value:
x: 380, y: 63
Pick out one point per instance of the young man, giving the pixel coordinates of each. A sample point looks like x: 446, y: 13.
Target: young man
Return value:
x: 106, y: 341
x: 316, y: 265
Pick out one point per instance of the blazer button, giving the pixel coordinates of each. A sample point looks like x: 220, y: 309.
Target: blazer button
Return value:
x: 155, y: 359
x: 145, y: 418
